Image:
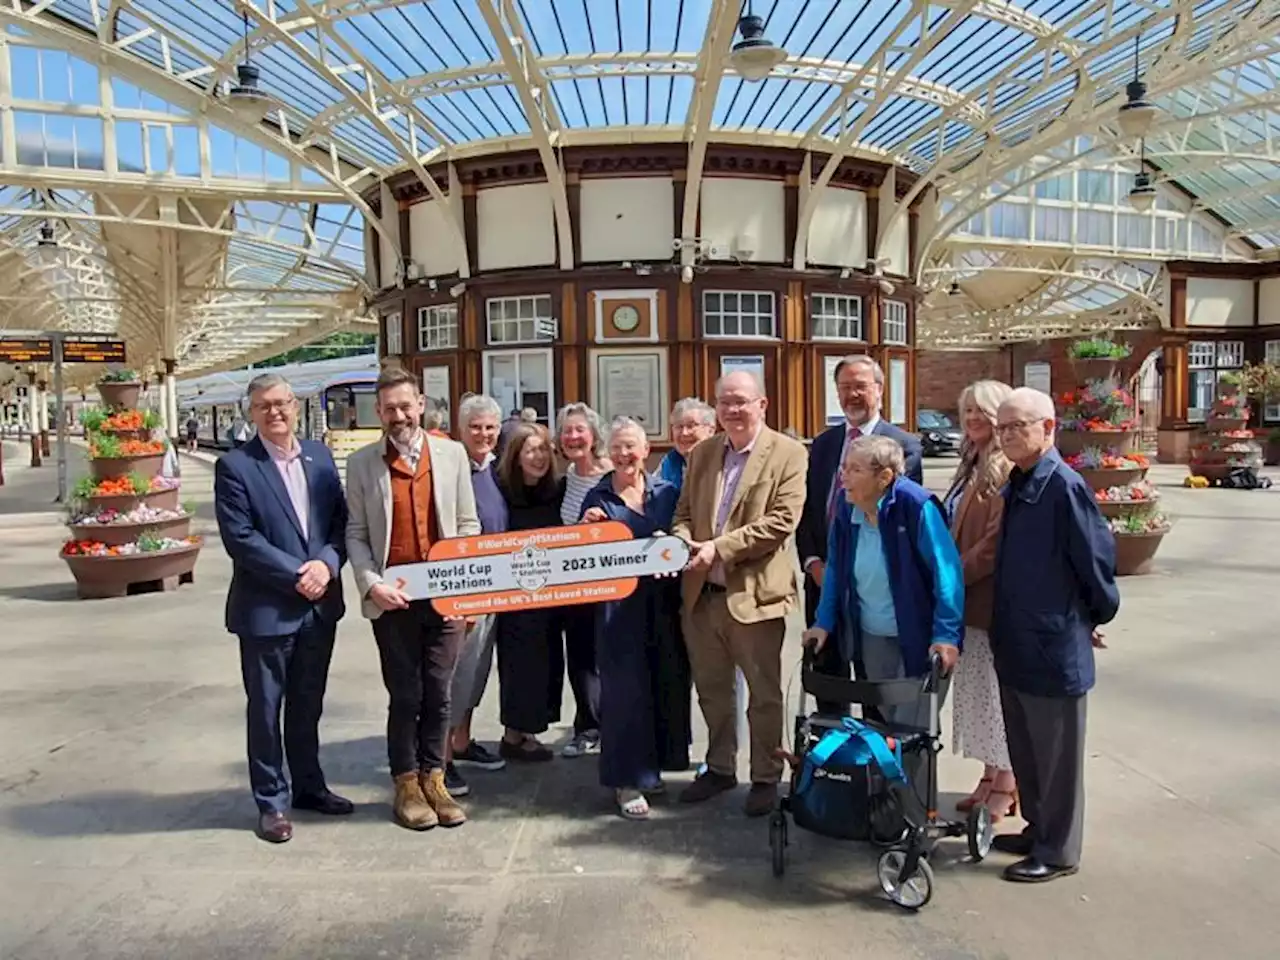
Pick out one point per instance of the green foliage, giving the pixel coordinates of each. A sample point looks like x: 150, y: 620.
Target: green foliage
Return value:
x: 344, y: 344
x: 189, y: 507
x: 93, y: 419
x: 148, y: 542
x: 150, y: 420
x: 120, y: 376
x: 1255, y: 379
x: 140, y: 483
x: 84, y: 488
x: 1099, y: 348
x: 104, y: 446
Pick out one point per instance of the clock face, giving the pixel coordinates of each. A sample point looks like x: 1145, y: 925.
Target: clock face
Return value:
x: 626, y: 318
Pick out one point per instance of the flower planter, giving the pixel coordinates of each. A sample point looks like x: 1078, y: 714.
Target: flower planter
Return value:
x: 1102, y: 479
x: 1070, y: 442
x: 120, y: 395
x: 164, y: 499
x: 147, y: 465
x: 1094, y: 368
x: 114, y: 534
x: 102, y: 577
x: 1216, y: 422
x: 140, y: 434
x: 1123, y: 508
x: 1136, y: 551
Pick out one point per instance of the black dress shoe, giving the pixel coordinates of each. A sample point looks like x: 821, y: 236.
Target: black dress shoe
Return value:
x: 326, y: 802
x: 1032, y: 870
x: 1017, y: 844
x: 275, y: 827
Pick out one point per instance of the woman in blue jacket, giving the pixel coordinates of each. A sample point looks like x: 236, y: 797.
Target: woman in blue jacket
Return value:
x: 893, y: 591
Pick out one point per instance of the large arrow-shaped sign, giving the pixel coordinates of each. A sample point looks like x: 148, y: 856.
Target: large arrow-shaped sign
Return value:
x: 549, y: 567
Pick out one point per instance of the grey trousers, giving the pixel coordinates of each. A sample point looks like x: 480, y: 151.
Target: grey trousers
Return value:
x: 1046, y: 745
x: 882, y: 660
x: 475, y: 661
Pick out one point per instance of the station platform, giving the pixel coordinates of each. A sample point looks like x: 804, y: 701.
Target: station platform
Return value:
x: 126, y: 819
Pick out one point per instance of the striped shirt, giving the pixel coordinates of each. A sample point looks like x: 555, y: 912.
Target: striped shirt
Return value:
x: 575, y: 491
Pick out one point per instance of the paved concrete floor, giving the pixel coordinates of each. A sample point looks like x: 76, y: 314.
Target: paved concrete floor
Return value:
x: 125, y: 818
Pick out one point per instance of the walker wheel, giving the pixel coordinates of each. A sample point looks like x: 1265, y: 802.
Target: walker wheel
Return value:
x: 913, y: 892
x: 778, y: 842
x: 981, y: 832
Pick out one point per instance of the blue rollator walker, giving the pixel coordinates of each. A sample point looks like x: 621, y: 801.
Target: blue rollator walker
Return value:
x: 874, y: 782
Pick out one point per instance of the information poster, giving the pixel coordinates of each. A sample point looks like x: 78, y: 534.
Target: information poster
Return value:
x: 630, y: 385
x: 834, y: 412
x: 1038, y: 375
x: 528, y: 569
x: 753, y: 364
x: 898, y: 391
x: 435, y: 388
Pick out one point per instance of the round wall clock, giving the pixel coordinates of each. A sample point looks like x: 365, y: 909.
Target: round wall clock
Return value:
x: 626, y: 318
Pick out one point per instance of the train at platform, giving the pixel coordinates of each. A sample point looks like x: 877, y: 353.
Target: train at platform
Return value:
x: 336, y: 403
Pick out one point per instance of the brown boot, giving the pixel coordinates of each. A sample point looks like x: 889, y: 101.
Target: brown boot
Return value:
x: 447, y: 810
x: 411, y: 808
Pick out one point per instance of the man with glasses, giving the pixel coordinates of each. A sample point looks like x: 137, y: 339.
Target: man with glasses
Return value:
x: 860, y: 387
x: 283, y: 519
x: 741, y: 501
x: 1054, y: 585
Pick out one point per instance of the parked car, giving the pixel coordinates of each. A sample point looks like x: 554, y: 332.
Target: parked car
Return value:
x: 938, y: 433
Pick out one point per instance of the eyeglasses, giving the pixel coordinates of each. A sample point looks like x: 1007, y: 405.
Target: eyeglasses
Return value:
x: 1016, y: 426
x: 736, y: 403
x: 273, y: 405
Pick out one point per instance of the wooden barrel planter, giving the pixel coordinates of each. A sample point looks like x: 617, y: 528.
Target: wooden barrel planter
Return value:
x: 1123, y: 508
x: 164, y: 499
x: 1094, y: 368
x: 98, y: 578
x: 120, y: 395
x: 1104, y: 479
x: 147, y: 465
x: 114, y: 534
x: 1135, y: 552
x: 1071, y: 442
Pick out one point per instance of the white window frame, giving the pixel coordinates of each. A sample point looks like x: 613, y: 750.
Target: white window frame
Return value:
x: 393, y: 333
x: 1209, y: 355
x: 537, y: 299
x: 773, y: 316
x: 819, y: 302
x: 888, y: 322
x: 1271, y: 411
x: 520, y: 354
x: 434, y: 335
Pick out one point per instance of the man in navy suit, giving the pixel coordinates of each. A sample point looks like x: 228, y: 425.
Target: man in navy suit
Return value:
x: 283, y: 520
x: 860, y: 386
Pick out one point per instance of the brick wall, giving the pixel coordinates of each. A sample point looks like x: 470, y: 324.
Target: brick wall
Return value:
x: 942, y: 374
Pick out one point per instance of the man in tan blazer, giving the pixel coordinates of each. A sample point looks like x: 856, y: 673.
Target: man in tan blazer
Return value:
x: 405, y: 492
x: 742, y: 498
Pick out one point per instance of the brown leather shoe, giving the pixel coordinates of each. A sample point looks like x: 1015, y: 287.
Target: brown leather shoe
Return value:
x: 275, y: 827
x: 761, y: 799
x: 410, y: 807
x: 706, y: 786
x: 447, y: 810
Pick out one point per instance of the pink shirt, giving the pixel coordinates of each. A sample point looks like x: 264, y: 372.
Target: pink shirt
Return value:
x: 735, y: 462
x: 289, y: 463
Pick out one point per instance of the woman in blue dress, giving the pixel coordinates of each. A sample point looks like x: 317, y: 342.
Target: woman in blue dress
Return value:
x: 645, y: 701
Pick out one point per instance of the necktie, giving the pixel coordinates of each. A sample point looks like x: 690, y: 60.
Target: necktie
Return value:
x: 852, y: 434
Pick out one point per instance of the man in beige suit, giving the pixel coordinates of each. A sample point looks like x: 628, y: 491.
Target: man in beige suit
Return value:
x: 405, y: 492
x: 741, y: 501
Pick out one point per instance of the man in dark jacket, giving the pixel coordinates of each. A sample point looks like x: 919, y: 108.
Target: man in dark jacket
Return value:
x: 1054, y: 585
x: 860, y: 386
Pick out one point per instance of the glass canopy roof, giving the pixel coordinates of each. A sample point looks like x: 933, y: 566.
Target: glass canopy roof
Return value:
x: 980, y: 98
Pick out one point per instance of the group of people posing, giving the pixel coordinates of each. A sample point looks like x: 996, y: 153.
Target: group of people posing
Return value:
x: 1006, y: 578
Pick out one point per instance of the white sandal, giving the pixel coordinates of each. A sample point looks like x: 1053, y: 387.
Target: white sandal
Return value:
x: 633, y: 805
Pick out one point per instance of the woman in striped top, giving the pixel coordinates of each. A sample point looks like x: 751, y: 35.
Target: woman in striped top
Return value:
x: 580, y: 439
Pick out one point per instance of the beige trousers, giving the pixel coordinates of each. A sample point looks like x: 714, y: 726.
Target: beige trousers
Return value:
x: 717, y: 644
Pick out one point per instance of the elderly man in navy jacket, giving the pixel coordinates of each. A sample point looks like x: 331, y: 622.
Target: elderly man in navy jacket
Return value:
x: 860, y: 387
x: 283, y: 519
x: 1054, y: 585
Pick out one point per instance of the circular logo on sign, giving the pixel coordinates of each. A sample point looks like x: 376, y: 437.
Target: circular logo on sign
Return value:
x: 531, y: 567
